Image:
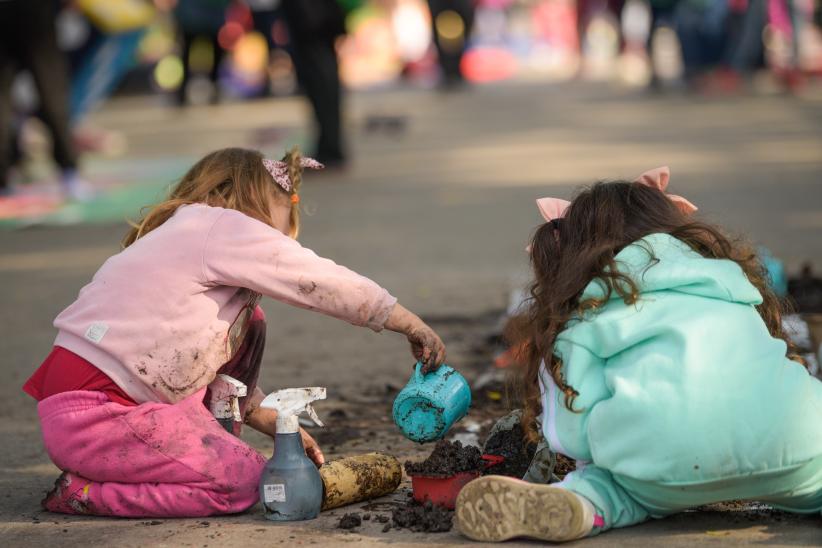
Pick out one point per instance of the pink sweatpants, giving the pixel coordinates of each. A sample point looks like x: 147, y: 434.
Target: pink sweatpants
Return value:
x: 156, y: 459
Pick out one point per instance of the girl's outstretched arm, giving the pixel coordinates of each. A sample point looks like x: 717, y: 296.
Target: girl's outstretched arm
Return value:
x: 426, y: 346
x: 242, y: 252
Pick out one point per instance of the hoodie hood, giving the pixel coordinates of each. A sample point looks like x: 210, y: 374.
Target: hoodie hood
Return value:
x: 660, y: 262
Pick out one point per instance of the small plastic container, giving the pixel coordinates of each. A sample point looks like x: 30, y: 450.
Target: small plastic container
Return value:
x: 429, y: 404
x: 443, y: 491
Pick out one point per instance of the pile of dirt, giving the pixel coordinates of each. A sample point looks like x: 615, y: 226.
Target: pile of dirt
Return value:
x: 447, y: 459
x: 422, y: 518
x: 512, y: 445
x: 349, y: 521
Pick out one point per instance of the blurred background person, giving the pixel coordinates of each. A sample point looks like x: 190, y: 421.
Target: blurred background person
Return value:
x: 314, y: 27
x: 452, y: 21
x: 200, y: 20
x: 661, y: 13
x: 746, y: 50
x: 268, y: 23
x: 701, y: 28
x: 28, y: 41
x: 189, y: 51
x: 588, y: 10
x: 781, y: 22
x: 101, y: 38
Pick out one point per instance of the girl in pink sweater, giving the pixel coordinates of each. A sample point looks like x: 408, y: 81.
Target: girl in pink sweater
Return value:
x: 123, y: 396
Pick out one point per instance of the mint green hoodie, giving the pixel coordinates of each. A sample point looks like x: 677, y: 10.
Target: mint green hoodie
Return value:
x: 687, y: 385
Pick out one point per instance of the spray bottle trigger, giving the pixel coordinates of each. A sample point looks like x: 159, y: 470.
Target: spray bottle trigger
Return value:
x: 313, y: 415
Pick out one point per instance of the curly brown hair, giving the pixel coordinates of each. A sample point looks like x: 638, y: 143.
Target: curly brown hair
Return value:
x: 566, y: 254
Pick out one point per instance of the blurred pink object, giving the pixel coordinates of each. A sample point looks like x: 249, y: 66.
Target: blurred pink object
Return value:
x: 780, y: 18
x: 555, y: 24
x: 20, y: 206
x: 488, y: 64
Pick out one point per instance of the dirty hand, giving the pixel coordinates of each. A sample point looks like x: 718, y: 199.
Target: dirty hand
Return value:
x: 312, y: 449
x: 427, y: 347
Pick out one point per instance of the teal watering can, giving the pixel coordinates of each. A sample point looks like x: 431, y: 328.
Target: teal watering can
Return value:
x: 429, y: 404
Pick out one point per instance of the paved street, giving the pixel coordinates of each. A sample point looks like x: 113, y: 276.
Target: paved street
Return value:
x: 438, y: 212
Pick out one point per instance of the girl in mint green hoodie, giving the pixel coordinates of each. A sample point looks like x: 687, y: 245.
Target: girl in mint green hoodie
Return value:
x: 654, y: 356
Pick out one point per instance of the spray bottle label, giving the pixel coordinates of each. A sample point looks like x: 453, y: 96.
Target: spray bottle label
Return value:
x: 274, y: 493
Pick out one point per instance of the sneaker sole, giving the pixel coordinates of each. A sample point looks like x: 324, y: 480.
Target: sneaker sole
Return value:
x: 497, y: 508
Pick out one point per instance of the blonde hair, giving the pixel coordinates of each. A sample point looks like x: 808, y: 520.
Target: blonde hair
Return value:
x: 295, y: 173
x: 233, y: 178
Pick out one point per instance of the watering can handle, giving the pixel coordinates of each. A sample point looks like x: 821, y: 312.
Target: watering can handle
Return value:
x: 418, y: 376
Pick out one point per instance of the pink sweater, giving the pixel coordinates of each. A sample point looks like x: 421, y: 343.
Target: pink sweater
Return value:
x: 162, y: 316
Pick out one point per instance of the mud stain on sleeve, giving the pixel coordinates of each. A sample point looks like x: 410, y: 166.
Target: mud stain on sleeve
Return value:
x: 306, y: 288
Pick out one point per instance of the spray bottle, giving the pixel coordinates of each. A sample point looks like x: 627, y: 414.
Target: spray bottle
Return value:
x: 291, y: 488
x: 225, y: 405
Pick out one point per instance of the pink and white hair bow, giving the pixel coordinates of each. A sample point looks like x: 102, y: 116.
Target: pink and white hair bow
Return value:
x: 279, y: 170
x: 658, y: 178
x: 552, y: 208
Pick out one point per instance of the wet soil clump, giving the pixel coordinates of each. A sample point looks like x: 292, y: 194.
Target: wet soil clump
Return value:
x: 511, y: 445
x: 350, y: 521
x: 447, y: 458
x: 422, y: 518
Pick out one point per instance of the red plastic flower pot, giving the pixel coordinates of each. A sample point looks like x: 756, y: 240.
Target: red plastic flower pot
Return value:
x: 441, y: 491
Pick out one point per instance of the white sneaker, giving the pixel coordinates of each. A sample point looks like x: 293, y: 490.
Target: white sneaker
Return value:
x: 497, y: 508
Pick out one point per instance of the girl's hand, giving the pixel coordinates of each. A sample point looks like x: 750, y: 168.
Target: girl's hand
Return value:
x: 265, y: 421
x: 312, y: 449
x: 427, y: 347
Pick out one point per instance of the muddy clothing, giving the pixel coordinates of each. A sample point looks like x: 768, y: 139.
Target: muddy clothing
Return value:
x: 684, y: 397
x: 156, y: 459
x: 162, y: 316
x: 65, y: 371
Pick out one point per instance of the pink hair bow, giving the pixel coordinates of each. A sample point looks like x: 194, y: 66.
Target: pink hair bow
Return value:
x: 552, y: 208
x: 658, y: 178
x: 279, y: 170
